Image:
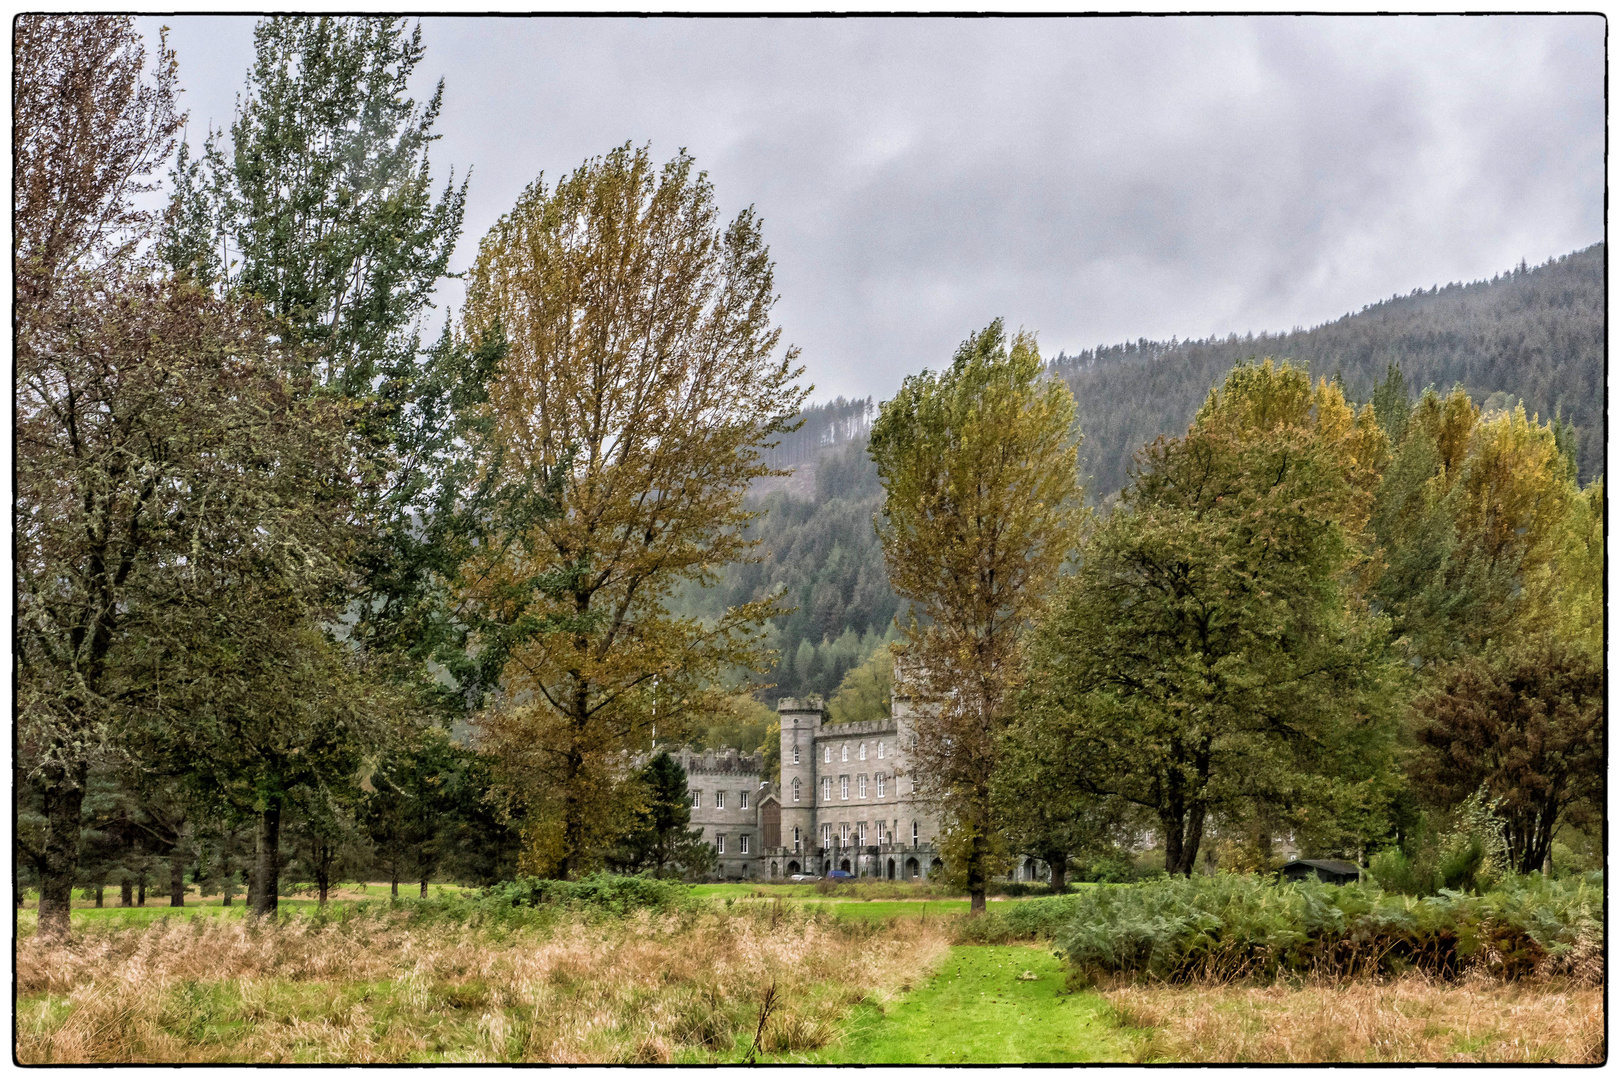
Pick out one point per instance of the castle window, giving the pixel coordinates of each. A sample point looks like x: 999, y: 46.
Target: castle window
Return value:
x: 697, y: 798
x: 863, y: 751
x: 880, y: 751
x: 862, y: 782
x: 844, y: 752
x: 826, y: 755
x: 720, y: 800
x: 795, y: 753
x: 742, y: 844
x: 826, y: 836
x: 843, y: 834
x: 742, y: 800
x: 843, y: 787
x: 795, y: 839
x: 826, y: 789
x: 720, y: 845
x: 914, y: 784
x: 881, y: 780
x: 861, y: 834
x: 795, y: 789
x: 913, y: 834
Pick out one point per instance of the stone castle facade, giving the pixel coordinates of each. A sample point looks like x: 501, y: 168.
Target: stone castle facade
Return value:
x: 847, y: 800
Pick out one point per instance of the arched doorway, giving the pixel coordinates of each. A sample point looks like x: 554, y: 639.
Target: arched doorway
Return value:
x: 773, y: 868
x: 935, y: 867
x: 844, y: 865
x: 911, y: 868
x: 793, y: 867
x: 891, y: 869
x: 1029, y: 869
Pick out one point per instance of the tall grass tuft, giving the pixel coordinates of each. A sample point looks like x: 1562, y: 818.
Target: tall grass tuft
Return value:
x: 1411, y: 1019
x: 409, y: 983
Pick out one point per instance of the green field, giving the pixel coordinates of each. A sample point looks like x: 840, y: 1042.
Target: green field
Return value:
x: 977, y: 1010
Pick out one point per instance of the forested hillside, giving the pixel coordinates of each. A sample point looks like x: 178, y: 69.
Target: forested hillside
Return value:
x: 1534, y: 333
x: 821, y: 551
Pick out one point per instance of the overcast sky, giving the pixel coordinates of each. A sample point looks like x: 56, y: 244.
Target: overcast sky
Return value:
x: 1094, y: 180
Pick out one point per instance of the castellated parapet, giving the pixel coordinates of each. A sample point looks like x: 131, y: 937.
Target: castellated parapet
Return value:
x: 847, y: 800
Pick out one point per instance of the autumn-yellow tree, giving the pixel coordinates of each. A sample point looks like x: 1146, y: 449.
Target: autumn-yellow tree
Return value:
x: 981, y: 509
x: 643, y: 377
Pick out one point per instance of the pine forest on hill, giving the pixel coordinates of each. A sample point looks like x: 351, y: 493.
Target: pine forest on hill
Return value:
x: 1534, y: 334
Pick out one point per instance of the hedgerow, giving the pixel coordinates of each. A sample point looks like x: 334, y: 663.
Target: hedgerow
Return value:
x: 1242, y: 926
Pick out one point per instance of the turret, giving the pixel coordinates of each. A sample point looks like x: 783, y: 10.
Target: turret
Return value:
x: 801, y: 723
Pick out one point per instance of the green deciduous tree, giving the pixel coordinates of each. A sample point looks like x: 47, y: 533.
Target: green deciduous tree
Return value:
x: 642, y: 381
x: 1526, y: 724
x: 982, y: 507
x: 88, y: 129
x: 1213, y: 649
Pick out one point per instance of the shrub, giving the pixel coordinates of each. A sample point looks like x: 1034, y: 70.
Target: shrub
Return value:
x: 610, y: 893
x: 1239, y: 926
x: 1028, y: 920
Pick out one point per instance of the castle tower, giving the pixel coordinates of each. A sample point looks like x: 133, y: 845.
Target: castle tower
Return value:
x: 801, y: 723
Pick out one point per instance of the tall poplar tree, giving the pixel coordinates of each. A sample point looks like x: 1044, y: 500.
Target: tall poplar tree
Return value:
x: 321, y: 204
x: 644, y: 379
x: 982, y: 507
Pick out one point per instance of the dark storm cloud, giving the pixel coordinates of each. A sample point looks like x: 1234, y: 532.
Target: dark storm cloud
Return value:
x: 1091, y: 179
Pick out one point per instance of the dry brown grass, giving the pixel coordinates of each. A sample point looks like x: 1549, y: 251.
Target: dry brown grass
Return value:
x: 1410, y: 1019
x: 385, y: 987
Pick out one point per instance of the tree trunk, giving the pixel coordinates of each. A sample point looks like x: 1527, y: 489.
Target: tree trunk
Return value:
x: 424, y: 885
x: 1059, y: 862
x: 140, y: 890
x: 177, y: 877
x: 267, y: 860
x: 393, y: 876
x: 101, y: 893
x: 64, y: 801
x: 126, y: 891
x: 227, y: 881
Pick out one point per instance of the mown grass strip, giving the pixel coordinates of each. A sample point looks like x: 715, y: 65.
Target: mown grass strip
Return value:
x: 977, y: 1010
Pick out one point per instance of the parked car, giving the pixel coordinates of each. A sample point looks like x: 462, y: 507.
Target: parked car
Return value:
x: 803, y: 877
x: 839, y: 874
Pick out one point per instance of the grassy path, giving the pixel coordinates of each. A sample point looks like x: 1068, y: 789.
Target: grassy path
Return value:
x: 976, y: 1010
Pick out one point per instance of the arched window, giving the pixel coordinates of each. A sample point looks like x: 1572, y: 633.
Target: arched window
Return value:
x: 913, y: 834
x: 844, y: 752
x: 826, y: 755
x: 863, y: 751
x: 795, y: 753
x: 795, y: 789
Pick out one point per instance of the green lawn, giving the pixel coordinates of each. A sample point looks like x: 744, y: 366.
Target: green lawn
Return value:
x: 976, y: 1010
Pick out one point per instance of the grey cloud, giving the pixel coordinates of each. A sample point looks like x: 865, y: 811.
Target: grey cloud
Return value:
x: 1092, y: 179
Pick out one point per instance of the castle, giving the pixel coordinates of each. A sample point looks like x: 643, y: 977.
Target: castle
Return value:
x: 847, y: 800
